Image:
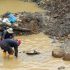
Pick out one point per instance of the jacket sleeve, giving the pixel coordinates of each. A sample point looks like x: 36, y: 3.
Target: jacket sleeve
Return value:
x: 3, y: 35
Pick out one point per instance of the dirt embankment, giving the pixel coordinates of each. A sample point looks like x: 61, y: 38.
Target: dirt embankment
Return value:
x: 59, y: 16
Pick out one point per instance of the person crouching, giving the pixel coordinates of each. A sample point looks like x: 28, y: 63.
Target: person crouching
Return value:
x: 7, y: 45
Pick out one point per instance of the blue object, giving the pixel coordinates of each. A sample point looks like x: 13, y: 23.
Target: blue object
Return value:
x: 10, y: 42
x: 12, y: 18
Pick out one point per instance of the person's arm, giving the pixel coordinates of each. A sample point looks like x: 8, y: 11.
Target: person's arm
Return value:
x: 13, y: 35
x: 3, y: 35
x: 16, y: 51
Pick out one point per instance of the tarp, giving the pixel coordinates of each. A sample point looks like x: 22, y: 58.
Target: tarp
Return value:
x: 12, y: 18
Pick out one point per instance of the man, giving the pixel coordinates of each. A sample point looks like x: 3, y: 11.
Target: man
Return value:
x: 7, y: 45
x: 7, y: 34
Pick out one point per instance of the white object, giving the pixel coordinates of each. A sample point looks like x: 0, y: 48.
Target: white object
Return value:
x: 5, y: 20
x: 10, y: 30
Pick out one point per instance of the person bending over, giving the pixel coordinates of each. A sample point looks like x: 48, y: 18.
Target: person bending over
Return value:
x: 7, y: 45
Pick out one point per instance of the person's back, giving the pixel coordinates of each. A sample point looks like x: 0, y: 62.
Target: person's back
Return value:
x: 11, y: 43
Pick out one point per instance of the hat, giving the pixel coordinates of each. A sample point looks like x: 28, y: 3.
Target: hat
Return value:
x: 10, y: 30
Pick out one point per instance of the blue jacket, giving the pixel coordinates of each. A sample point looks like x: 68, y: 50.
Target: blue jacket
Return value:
x: 12, y: 18
x: 9, y: 42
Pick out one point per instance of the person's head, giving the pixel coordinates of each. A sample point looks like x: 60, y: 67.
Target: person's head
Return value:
x: 10, y: 30
x: 19, y: 42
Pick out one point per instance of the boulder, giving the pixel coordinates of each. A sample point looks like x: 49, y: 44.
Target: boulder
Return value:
x: 58, y: 53
x: 66, y: 57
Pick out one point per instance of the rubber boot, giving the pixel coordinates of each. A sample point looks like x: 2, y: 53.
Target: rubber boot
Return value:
x: 11, y: 56
x: 4, y: 54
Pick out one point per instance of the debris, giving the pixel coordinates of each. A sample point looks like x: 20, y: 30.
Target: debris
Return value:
x: 32, y: 52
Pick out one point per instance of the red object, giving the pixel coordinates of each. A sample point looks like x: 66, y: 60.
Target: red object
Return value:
x: 19, y: 41
x: 20, y: 33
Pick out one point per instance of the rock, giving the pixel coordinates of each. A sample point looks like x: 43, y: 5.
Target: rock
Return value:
x: 32, y: 52
x: 58, y: 53
x: 66, y: 57
x: 69, y: 36
x: 61, y: 68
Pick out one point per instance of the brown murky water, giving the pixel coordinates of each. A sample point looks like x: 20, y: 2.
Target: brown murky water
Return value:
x: 43, y: 61
x: 39, y: 42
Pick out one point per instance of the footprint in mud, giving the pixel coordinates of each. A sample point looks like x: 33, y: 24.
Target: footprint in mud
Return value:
x: 61, y: 68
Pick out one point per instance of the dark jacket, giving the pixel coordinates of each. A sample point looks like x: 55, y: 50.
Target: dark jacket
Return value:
x: 6, y: 35
x: 9, y: 43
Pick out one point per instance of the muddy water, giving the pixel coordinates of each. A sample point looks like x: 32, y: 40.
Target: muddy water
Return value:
x: 43, y: 61
x: 39, y: 42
